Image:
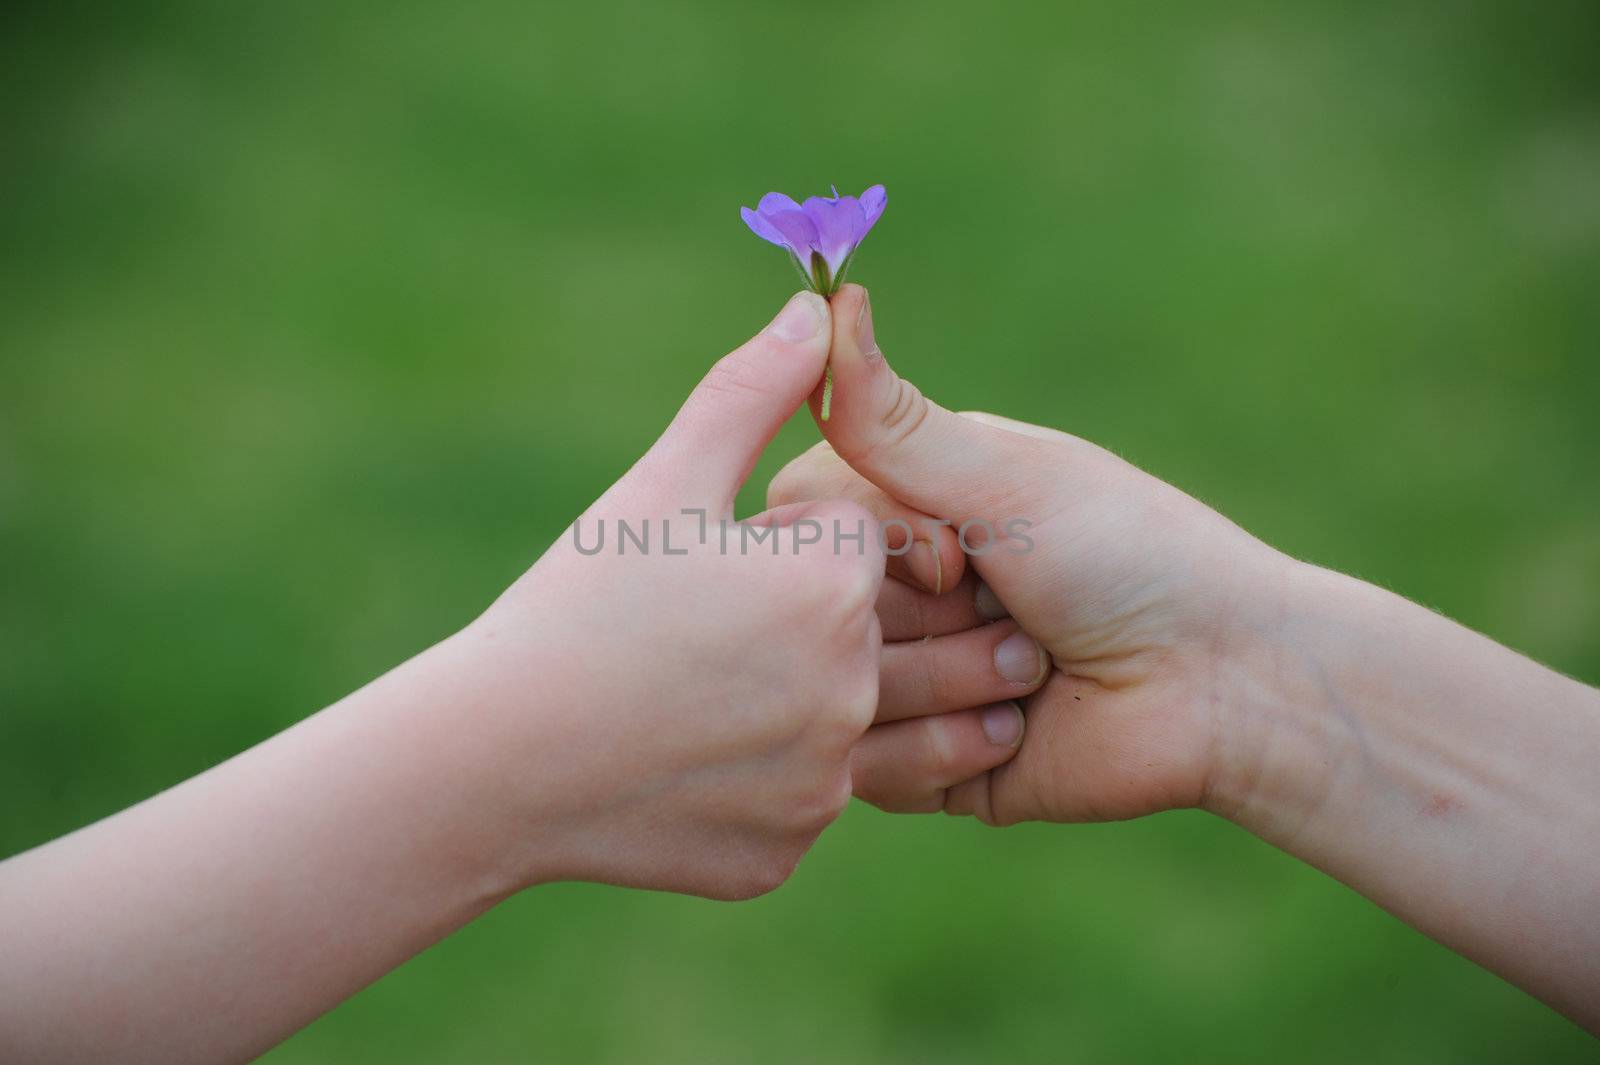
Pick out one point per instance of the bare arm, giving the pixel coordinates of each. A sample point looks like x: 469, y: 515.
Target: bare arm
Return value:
x: 1452, y: 781
x: 213, y: 920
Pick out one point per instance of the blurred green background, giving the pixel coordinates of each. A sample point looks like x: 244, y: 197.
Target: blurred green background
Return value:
x: 319, y: 322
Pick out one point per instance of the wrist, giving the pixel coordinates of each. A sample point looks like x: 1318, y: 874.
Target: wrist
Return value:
x: 477, y: 748
x: 1445, y: 777
x: 1352, y: 706
x: 1286, y: 728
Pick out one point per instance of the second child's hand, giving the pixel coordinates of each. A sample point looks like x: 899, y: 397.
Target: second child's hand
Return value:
x: 1444, y: 776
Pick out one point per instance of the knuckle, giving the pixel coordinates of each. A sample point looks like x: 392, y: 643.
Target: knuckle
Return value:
x: 995, y: 814
x: 974, y: 798
x: 862, y: 706
x: 732, y: 376
x: 864, y: 775
x: 940, y: 753
x: 759, y: 871
x: 854, y: 586
x: 994, y: 819
x: 847, y: 511
x: 937, y: 683
x: 868, y: 790
x: 907, y: 410
x: 785, y: 487
x: 835, y: 799
x: 862, y: 588
x: 818, y: 806
x: 956, y: 804
x: 914, y: 802
x: 854, y: 705
x: 761, y: 878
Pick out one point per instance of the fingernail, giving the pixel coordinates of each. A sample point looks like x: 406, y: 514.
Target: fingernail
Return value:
x: 864, y: 338
x: 1003, y: 724
x: 927, y: 564
x: 990, y: 608
x: 1020, y: 659
x: 800, y: 319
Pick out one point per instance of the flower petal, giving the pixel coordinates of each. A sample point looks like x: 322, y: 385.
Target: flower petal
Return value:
x: 773, y: 202
x: 873, y: 201
x: 799, y: 232
x: 838, y: 226
x: 761, y: 227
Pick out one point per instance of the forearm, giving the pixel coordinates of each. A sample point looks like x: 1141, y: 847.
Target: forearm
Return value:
x: 213, y: 920
x: 1449, y: 779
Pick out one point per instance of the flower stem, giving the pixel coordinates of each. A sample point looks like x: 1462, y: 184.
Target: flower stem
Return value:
x: 827, y: 390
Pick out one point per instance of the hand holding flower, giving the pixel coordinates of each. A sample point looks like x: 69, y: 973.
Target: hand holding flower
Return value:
x: 821, y: 237
x: 680, y: 720
x: 1446, y: 777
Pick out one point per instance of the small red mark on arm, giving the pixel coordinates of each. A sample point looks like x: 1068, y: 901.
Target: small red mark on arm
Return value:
x: 1442, y: 805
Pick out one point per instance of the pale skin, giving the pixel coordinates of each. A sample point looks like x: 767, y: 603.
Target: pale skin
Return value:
x: 1451, y: 780
x: 692, y: 723
x: 681, y: 723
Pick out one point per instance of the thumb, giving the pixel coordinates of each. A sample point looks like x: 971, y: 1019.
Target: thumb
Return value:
x: 735, y: 411
x: 890, y: 433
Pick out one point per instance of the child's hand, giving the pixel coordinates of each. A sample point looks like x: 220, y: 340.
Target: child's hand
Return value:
x: 1150, y: 605
x: 681, y: 719
x: 688, y: 710
x: 1444, y: 776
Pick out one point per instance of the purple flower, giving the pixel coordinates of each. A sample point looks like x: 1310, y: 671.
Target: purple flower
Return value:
x: 821, y: 234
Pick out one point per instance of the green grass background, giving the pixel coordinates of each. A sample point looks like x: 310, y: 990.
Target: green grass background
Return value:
x: 318, y: 322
